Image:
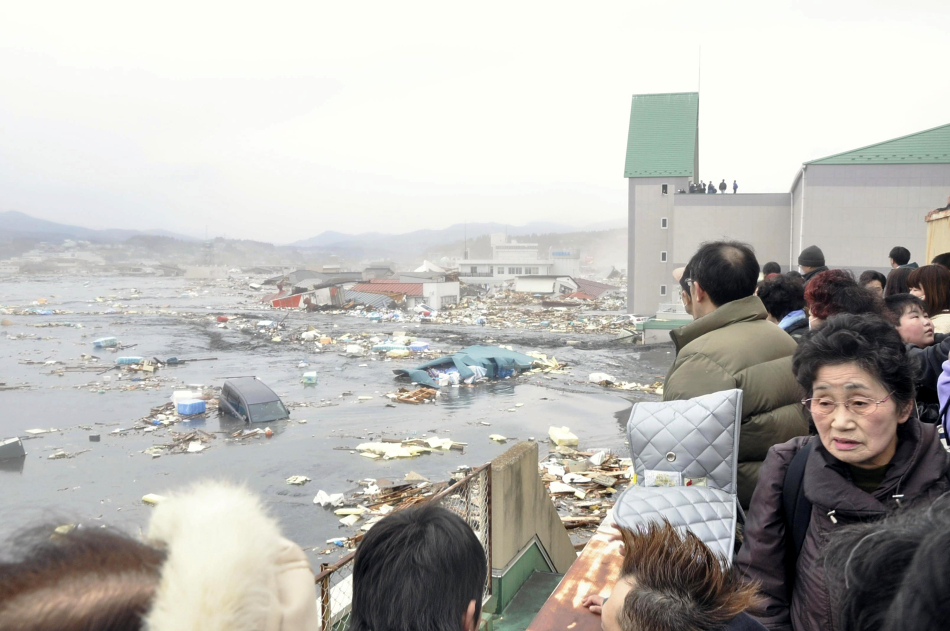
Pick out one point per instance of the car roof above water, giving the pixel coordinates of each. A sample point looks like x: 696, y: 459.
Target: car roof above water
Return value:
x: 253, y: 390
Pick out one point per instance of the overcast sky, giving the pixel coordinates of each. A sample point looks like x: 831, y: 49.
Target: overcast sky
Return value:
x: 276, y: 121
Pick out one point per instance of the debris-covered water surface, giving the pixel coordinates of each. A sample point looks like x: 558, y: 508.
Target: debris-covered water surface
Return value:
x: 102, y: 425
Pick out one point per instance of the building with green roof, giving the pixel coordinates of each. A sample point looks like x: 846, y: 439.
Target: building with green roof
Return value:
x: 854, y: 205
x: 663, y: 139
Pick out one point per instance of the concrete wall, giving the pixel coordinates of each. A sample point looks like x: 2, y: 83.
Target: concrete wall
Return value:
x: 761, y: 220
x: 434, y: 292
x: 566, y: 267
x: 521, y: 508
x: 857, y: 213
x: 646, y: 239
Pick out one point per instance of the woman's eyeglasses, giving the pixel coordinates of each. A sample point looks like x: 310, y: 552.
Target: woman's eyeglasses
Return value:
x: 862, y: 406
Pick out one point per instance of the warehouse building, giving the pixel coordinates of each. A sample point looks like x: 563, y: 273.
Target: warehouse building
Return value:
x: 854, y: 205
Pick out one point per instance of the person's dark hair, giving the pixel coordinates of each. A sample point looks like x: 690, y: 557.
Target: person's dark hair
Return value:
x: 870, y: 275
x: 897, y: 281
x: 84, y: 578
x: 771, y: 268
x: 679, y: 583
x: 782, y: 295
x: 934, y: 281
x: 886, y: 574
x: 898, y: 304
x: 726, y: 270
x: 794, y: 275
x: 942, y: 259
x: 835, y: 291
x: 418, y: 568
x: 900, y: 255
x: 869, y: 341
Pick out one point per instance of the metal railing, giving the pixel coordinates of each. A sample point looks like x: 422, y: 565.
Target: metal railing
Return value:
x: 469, y: 498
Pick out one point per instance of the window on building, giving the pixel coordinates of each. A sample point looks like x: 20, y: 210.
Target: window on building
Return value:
x: 501, y: 270
x: 517, y: 271
x: 531, y: 270
x: 662, y: 290
x: 665, y: 189
x: 473, y: 269
x: 664, y: 224
x: 663, y: 256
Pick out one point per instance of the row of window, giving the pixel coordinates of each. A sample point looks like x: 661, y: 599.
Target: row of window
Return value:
x: 516, y: 271
x: 664, y: 224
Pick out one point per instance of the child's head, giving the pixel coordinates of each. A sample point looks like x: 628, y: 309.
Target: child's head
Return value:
x: 671, y: 580
x: 910, y: 316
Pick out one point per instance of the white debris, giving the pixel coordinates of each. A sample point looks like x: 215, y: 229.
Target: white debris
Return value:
x: 323, y: 498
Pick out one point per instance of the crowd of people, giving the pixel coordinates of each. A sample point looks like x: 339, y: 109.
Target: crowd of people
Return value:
x: 863, y: 455
x: 702, y: 187
x: 843, y: 474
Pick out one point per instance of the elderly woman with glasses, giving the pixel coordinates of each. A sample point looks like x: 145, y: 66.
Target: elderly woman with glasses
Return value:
x: 871, y: 456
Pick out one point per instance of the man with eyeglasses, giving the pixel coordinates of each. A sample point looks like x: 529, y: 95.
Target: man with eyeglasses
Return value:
x: 731, y: 344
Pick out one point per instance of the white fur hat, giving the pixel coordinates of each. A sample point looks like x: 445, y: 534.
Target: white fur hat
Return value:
x: 228, y: 568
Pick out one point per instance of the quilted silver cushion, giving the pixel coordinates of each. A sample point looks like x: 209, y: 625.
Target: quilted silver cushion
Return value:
x: 697, y: 437
x: 709, y: 513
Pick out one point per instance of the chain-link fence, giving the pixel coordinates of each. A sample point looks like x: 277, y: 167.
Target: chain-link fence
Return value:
x: 469, y: 498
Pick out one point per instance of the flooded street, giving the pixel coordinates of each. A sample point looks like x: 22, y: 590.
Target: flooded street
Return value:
x: 169, y: 317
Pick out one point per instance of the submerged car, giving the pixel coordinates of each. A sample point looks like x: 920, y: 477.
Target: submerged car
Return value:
x: 249, y: 399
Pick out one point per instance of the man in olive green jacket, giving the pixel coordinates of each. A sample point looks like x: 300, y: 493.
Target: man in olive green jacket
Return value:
x: 730, y: 344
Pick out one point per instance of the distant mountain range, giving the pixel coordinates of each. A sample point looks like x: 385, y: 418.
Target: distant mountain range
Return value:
x: 371, y: 245
x: 17, y: 225
x: 424, y: 239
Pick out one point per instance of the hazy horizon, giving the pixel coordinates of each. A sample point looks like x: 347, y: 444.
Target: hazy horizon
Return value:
x: 277, y: 124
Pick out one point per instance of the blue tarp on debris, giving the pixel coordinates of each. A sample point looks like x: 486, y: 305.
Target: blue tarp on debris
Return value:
x: 495, y: 361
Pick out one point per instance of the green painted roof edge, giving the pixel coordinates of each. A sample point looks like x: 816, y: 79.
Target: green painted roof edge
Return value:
x: 665, y: 171
x: 832, y: 158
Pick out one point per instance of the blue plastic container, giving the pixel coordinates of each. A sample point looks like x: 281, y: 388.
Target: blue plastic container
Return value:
x: 128, y: 361
x: 187, y: 408
x: 105, y: 342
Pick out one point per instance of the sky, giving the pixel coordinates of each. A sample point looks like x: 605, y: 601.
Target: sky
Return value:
x: 278, y: 121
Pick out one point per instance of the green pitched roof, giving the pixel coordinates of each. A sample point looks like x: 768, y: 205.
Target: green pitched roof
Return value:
x: 662, y: 137
x: 931, y: 146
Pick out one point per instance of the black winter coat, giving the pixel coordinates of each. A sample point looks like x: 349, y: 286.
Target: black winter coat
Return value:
x: 918, y: 472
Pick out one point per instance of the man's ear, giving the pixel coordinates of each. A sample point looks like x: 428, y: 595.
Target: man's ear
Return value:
x: 699, y: 294
x: 469, y: 623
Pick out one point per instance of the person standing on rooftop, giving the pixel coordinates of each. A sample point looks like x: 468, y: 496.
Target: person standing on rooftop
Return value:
x: 712, y: 188
x: 735, y: 187
x: 723, y: 186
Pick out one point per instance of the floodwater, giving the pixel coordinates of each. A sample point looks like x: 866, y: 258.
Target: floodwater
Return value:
x: 105, y: 484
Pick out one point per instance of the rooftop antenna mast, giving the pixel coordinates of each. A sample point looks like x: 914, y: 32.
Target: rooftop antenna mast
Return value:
x: 699, y: 82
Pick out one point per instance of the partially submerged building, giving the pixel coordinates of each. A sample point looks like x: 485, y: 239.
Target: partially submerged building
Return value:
x: 436, y: 294
x: 511, y: 258
x: 546, y: 285
x: 854, y: 205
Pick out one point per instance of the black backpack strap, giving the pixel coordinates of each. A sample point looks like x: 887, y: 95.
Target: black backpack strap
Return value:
x: 797, y: 510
